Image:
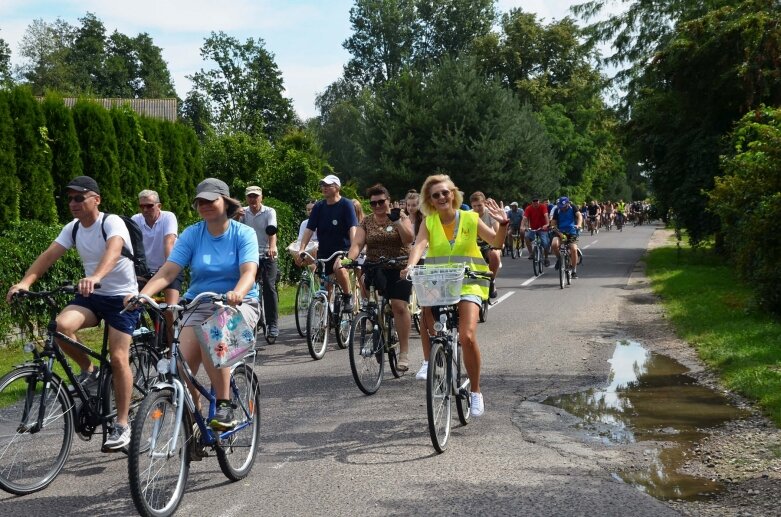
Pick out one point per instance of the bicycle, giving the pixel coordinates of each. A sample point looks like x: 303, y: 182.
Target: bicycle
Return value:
x: 39, y: 411
x: 439, y: 287
x: 304, y: 293
x: 537, y: 253
x: 565, y: 264
x: 169, y: 430
x: 325, y: 311
x: 373, y: 333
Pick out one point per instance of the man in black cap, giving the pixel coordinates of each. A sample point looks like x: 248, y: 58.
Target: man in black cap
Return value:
x: 103, y: 265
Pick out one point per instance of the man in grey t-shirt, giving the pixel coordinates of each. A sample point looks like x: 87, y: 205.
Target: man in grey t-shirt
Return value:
x: 263, y: 219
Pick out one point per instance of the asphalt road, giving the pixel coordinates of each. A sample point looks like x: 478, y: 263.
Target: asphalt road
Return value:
x: 327, y: 449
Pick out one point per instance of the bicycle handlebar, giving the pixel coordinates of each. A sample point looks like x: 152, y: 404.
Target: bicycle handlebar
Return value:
x: 199, y: 299
x: 335, y: 254
x: 68, y: 288
x: 382, y: 261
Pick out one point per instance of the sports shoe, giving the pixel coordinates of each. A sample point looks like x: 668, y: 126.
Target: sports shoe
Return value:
x: 423, y: 372
x: 529, y: 257
x: 88, y: 380
x: 223, y: 419
x: 347, y: 303
x: 493, y: 293
x: 119, y: 438
x: 558, y: 265
x: 574, y: 274
x: 547, y: 262
x: 476, y: 407
x: 273, y: 331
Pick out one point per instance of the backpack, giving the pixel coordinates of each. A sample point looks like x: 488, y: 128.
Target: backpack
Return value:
x: 138, y: 256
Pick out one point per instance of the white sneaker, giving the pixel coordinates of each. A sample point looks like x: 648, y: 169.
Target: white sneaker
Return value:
x: 476, y: 404
x: 119, y: 437
x: 423, y: 372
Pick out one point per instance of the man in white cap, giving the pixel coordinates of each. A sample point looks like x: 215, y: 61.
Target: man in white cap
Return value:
x: 515, y: 217
x: 334, y: 220
x: 263, y: 219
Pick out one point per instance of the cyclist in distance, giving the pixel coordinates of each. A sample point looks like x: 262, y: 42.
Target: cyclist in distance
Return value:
x: 222, y: 255
x: 103, y: 264
x: 566, y: 220
x: 515, y: 215
x: 535, y: 220
x: 263, y: 219
x: 492, y: 256
x: 387, y: 232
x: 594, y: 211
x: 334, y: 220
x: 451, y: 236
x: 412, y: 206
x: 159, y: 229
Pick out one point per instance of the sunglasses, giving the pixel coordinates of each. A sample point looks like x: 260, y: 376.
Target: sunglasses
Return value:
x: 441, y: 193
x: 146, y: 205
x: 378, y: 202
x: 78, y: 198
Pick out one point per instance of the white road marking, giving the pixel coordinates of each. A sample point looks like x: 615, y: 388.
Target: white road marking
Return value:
x: 532, y: 279
x: 500, y: 299
x: 593, y: 242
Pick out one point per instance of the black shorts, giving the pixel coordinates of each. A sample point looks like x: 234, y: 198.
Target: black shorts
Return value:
x: 175, y: 284
x: 390, y: 284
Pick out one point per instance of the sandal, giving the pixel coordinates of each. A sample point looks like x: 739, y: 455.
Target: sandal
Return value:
x: 402, y: 364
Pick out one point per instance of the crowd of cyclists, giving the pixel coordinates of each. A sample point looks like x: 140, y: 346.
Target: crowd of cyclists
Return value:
x: 235, y: 244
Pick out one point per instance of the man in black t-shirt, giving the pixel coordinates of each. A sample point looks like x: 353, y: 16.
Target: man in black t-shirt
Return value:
x: 334, y: 220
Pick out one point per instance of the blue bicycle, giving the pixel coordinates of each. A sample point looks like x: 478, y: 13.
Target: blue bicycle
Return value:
x: 169, y: 431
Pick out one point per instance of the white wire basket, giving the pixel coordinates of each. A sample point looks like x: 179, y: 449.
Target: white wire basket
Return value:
x: 437, y: 285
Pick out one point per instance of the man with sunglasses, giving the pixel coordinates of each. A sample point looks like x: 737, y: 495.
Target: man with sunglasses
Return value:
x: 263, y: 219
x: 104, y: 265
x: 334, y: 220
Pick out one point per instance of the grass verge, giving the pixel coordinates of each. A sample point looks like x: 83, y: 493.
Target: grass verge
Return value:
x: 712, y: 310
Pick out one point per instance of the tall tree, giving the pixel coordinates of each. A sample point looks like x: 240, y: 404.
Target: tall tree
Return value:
x: 9, y: 196
x: 120, y: 68
x: 196, y: 113
x: 5, y: 64
x: 154, y: 78
x: 33, y: 159
x: 64, y: 146
x: 449, y: 27
x: 87, y: 56
x: 382, y: 41
x: 245, y: 89
x: 44, y: 50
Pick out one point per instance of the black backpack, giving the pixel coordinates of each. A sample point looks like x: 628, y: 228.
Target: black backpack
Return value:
x: 136, y: 240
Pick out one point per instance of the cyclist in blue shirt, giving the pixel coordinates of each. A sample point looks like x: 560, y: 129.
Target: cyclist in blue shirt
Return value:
x: 568, y: 221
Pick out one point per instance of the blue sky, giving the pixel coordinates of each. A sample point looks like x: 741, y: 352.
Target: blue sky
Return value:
x: 305, y: 36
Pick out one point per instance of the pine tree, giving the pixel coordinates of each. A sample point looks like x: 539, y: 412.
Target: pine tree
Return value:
x: 9, y: 195
x: 64, y: 145
x: 174, y: 167
x: 132, y: 160
x: 99, y: 151
x: 33, y: 158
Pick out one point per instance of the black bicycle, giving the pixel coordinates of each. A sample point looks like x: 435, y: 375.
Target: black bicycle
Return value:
x: 440, y: 288
x: 39, y: 410
x: 373, y: 332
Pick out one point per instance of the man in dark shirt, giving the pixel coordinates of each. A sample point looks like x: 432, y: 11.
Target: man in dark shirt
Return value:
x: 334, y: 220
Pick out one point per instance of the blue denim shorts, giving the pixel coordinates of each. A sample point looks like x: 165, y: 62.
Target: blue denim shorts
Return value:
x: 472, y: 298
x: 108, y: 308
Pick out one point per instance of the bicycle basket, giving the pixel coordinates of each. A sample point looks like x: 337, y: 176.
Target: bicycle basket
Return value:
x: 437, y: 285
x: 226, y: 337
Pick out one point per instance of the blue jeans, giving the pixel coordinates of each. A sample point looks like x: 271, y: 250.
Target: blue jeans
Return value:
x: 544, y: 237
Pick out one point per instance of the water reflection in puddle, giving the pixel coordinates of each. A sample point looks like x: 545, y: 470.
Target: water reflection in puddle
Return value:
x: 650, y: 397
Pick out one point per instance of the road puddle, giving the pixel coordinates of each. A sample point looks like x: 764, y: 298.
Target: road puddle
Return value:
x: 650, y: 397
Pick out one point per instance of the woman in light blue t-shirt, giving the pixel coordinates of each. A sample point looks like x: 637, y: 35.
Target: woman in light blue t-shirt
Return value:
x: 222, y: 255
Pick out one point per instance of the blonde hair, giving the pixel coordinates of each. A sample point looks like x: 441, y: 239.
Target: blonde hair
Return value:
x: 456, y: 197
x: 358, y: 210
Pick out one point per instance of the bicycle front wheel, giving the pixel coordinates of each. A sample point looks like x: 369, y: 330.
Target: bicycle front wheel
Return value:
x: 393, y: 347
x: 36, y: 430
x: 366, y: 354
x: 158, y: 467
x: 463, y: 397
x: 317, y: 327
x: 344, y: 321
x: 536, y: 260
x: 562, y: 268
x: 438, y: 397
x: 236, y: 453
x: 303, y: 299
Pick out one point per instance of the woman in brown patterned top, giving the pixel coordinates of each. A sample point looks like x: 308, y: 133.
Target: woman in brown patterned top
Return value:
x: 388, y: 233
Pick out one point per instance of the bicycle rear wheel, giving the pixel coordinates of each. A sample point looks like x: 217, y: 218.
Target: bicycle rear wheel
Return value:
x: 303, y: 299
x: 438, y: 397
x: 393, y: 347
x: 536, y: 260
x: 366, y: 354
x: 158, y: 472
x: 317, y: 327
x: 344, y: 321
x: 562, y: 268
x: 32, y: 450
x: 236, y: 453
x: 483, y: 314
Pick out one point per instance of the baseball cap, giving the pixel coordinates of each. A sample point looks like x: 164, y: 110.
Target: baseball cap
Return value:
x: 331, y: 180
x: 563, y: 201
x: 211, y: 189
x: 535, y: 198
x: 83, y: 184
x: 253, y: 190
x: 514, y: 203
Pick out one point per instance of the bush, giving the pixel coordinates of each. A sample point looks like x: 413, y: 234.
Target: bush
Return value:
x: 20, y: 245
x: 747, y: 198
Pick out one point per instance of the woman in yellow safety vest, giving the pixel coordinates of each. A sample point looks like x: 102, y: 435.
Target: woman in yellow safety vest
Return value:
x: 451, y: 236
